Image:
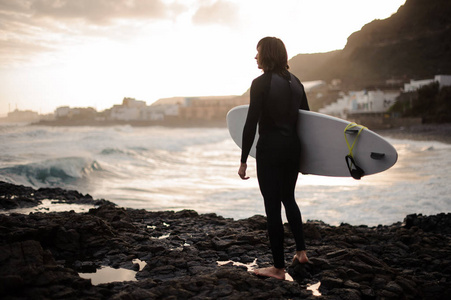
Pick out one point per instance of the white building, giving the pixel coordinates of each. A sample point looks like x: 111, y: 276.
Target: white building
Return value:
x: 373, y: 101
x: 443, y: 80
x: 62, y: 111
x: 361, y: 102
x: 153, y: 113
x: 129, y: 110
x: 75, y: 113
x: 166, y: 107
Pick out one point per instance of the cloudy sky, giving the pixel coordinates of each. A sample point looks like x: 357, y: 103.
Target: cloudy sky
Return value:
x: 96, y: 52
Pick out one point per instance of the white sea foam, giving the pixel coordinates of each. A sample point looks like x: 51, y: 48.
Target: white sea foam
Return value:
x: 160, y: 168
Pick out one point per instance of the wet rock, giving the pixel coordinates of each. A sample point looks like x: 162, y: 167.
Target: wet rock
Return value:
x: 27, y: 270
x: 16, y: 196
x: 41, y: 255
x: 351, y: 285
x: 19, y: 196
x: 330, y: 283
x: 440, y: 223
x: 347, y: 294
x: 394, y: 288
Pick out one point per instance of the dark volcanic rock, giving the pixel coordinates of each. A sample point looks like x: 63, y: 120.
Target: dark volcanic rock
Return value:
x: 19, y: 196
x: 42, y: 253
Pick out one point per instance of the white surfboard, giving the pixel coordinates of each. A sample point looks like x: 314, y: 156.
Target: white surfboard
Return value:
x: 323, y: 144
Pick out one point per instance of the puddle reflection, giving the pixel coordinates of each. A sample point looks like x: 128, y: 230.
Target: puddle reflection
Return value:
x: 108, y: 274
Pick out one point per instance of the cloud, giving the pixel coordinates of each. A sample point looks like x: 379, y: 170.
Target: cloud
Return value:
x: 218, y: 12
x: 19, y: 51
x: 33, y: 27
x: 103, y: 11
x: 31, y: 30
x: 14, y: 6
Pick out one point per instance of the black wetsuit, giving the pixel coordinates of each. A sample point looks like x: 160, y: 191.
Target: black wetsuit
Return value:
x: 274, y: 104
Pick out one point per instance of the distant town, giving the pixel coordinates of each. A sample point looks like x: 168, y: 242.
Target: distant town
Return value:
x: 371, y: 107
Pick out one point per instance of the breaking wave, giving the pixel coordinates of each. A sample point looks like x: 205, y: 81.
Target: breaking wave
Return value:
x: 53, y: 172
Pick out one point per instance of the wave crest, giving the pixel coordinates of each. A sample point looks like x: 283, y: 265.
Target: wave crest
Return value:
x: 52, y: 172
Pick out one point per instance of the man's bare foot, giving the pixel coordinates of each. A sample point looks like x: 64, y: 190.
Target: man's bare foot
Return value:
x: 271, y: 272
x: 301, y: 256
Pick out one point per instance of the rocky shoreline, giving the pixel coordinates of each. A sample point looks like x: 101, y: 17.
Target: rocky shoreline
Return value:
x: 42, y: 254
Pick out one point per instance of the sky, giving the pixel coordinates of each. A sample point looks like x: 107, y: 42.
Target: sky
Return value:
x: 93, y: 53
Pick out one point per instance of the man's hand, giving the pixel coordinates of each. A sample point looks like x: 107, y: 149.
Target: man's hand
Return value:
x: 242, y: 171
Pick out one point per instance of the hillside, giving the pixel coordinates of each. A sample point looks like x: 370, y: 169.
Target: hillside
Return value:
x: 414, y: 43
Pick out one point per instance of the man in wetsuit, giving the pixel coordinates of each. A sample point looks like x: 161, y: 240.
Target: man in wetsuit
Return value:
x: 276, y: 96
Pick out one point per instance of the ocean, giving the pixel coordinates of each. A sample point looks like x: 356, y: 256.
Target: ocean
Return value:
x: 159, y: 168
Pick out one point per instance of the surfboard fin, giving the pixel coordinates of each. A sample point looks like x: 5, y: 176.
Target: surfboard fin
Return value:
x: 378, y: 156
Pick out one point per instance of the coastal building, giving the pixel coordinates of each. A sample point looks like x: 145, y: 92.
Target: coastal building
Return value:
x: 442, y: 80
x: 153, y: 113
x: 83, y: 113
x: 130, y: 110
x: 62, y: 112
x: 210, y: 108
x: 166, y: 108
x: 361, y: 102
x: 375, y: 102
x: 22, y: 116
x: 76, y: 113
x: 206, y: 108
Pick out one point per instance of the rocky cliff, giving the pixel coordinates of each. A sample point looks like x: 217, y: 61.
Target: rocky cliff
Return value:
x: 414, y: 43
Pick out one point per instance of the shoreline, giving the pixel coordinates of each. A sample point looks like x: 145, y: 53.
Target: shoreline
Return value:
x: 205, y: 256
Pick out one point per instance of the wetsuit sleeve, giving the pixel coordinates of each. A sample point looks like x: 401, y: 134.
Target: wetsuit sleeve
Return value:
x: 253, y: 115
x: 304, y: 103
